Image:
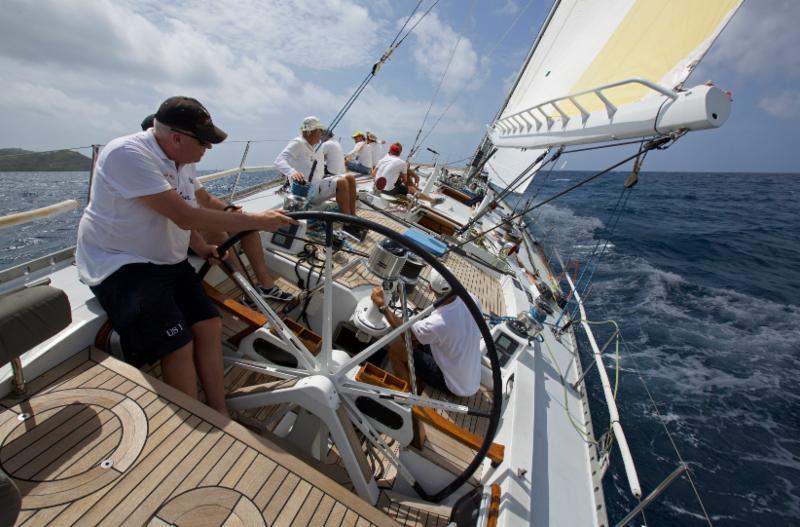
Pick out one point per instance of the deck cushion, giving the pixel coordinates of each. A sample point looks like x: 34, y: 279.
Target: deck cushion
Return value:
x: 11, y: 500
x: 29, y: 317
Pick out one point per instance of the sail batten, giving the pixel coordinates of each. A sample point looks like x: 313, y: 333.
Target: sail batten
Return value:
x: 585, y: 44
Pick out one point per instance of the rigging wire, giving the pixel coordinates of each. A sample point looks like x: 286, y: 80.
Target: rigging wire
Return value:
x: 415, y: 146
x: 656, y: 143
x: 489, y: 54
x: 396, y: 42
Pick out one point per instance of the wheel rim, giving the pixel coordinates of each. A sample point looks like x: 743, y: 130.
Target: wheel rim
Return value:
x: 325, y: 367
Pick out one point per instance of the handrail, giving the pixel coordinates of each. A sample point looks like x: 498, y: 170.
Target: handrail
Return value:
x: 627, y: 458
x: 19, y: 218
x: 231, y: 171
x: 518, y: 120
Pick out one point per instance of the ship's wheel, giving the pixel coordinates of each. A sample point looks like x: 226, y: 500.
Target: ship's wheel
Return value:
x: 325, y: 386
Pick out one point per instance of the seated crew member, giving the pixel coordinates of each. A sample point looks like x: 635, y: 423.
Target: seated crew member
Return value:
x: 251, y: 243
x: 359, y: 159
x: 332, y: 155
x: 399, y: 177
x: 376, y: 153
x: 446, y: 344
x: 132, y: 247
x: 298, y: 158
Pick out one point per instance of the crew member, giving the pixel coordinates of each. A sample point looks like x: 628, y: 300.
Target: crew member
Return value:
x: 394, y: 177
x: 359, y: 159
x: 133, y: 240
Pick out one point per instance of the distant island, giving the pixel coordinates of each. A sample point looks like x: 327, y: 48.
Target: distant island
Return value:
x: 19, y: 160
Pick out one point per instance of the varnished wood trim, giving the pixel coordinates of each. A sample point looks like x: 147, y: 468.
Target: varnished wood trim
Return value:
x: 494, y: 506
x: 496, y: 450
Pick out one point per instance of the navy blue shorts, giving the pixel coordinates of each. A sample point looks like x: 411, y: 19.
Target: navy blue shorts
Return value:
x: 399, y: 189
x: 425, y: 368
x: 153, y: 308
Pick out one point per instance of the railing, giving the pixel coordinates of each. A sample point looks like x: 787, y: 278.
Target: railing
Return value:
x: 611, y: 404
x: 20, y: 218
x: 232, y: 171
x: 519, y: 122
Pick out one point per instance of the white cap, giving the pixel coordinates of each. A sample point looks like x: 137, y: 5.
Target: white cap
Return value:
x: 371, y: 136
x: 310, y: 124
x: 438, y: 283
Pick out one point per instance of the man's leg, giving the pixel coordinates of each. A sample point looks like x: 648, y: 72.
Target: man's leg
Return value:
x: 351, y: 180
x: 251, y: 243
x: 177, y: 370
x: 208, y: 361
x: 419, y: 195
x: 355, y: 166
x: 343, y: 195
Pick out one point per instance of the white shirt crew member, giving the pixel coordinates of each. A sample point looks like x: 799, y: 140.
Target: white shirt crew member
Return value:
x: 376, y: 152
x: 299, y: 156
x: 390, y: 167
x: 334, y: 157
x: 455, y: 342
x: 365, y: 155
x: 116, y: 228
x: 356, y: 149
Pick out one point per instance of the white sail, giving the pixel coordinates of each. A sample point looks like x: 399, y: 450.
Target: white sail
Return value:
x: 586, y: 44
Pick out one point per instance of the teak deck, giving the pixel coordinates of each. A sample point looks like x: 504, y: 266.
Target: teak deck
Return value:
x: 109, y: 445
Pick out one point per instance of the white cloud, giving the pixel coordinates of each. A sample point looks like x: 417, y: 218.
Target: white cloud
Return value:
x: 233, y: 53
x: 385, y: 113
x: 319, y: 34
x: 762, y: 39
x: 434, y: 43
x: 783, y: 105
x: 511, y: 7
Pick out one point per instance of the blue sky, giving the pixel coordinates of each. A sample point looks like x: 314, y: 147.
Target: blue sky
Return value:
x: 84, y: 72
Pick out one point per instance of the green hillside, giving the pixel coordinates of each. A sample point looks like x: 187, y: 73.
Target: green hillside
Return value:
x: 19, y: 160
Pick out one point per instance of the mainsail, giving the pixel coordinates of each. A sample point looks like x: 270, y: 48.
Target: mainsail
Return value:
x: 585, y: 44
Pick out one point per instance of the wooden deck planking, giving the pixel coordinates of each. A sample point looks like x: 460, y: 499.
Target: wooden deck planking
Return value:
x: 177, y: 442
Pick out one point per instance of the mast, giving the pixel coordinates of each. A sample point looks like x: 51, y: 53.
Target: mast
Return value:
x: 479, y: 157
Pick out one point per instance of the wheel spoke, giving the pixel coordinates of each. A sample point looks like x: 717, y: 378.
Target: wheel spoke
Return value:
x: 372, y: 435
x: 275, y: 322
x: 327, y: 300
x: 355, y: 388
x: 282, y: 372
x: 381, y: 342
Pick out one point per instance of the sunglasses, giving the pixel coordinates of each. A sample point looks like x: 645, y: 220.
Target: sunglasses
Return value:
x: 182, y: 132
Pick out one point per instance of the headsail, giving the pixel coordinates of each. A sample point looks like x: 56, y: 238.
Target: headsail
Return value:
x: 586, y: 44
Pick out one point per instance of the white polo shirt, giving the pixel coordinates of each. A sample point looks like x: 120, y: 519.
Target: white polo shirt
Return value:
x: 299, y: 156
x: 365, y: 155
x: 334, y: 157
x: 376, y: 152
x: 455, y: 342
x: 390, y: 167
x: 116, y: 228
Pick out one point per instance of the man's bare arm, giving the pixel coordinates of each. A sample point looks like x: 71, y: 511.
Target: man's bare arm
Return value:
x: 172, y: 206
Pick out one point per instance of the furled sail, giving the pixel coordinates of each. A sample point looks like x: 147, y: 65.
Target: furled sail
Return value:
x: 587, y: 44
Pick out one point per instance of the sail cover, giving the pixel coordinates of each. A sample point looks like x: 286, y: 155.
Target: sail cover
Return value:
x: 584, y: 44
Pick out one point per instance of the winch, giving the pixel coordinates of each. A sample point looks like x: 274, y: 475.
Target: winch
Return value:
x: 525, y: 325
x: 410, y: 272
x: 386, y: 262
x: 387, y: 259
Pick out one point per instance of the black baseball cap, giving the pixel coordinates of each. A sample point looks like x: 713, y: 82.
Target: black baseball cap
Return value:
x: 148, y: 122
x: 188, y: 115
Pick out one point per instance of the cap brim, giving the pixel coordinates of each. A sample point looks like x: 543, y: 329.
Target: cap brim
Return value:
x: 213, y: 135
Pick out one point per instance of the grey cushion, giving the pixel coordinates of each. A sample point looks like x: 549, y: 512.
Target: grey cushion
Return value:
x: 29, y: 317
x: 10, y: 499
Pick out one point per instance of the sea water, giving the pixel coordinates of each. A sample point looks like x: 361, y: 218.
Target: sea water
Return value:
x: 701, y: 273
